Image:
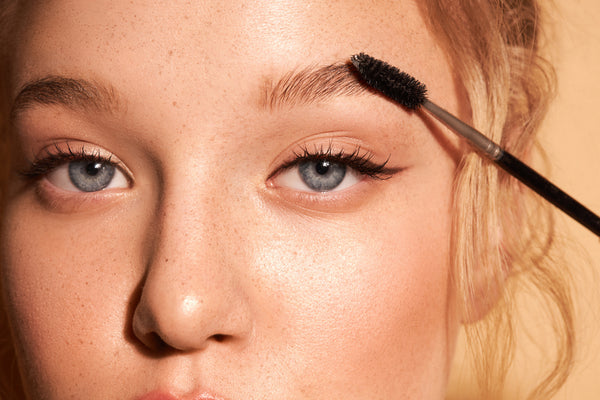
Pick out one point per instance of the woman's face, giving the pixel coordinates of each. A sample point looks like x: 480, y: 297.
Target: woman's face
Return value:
x: 211, y: 206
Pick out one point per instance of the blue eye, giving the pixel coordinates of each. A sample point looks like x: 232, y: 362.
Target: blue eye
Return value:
x: 321, y: 175
x: 318, y: 175
x: 87, y: 176
x: 91, y: 176
x: 325, y: 169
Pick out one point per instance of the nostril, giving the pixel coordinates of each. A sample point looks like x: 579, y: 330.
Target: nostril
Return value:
x: 219, y: 338
x: 154, y: 342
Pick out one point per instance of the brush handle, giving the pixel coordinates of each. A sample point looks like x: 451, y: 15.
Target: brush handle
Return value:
x: 476, y: 138
x: 549, y: 191
x: 518, y: 169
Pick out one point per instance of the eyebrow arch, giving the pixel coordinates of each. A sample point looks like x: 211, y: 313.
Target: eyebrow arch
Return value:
x: 69, y: 92
x: 313, y: 84
x: 309, y: 85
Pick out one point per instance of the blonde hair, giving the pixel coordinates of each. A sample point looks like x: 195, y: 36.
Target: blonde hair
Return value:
x: 502, y: 237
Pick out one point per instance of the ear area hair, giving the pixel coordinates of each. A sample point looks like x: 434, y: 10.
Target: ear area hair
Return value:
x: 486, y: 289
x: 482, y: 257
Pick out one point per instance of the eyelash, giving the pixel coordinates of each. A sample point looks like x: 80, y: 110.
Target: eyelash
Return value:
x: 358, y: 160
x: 56, y: 157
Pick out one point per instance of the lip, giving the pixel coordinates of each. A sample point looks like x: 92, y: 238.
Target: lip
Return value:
x: 160, y: 395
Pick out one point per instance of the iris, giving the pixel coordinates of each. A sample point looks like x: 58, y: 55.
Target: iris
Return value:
x: 91, y: 176
x: 321, y: 175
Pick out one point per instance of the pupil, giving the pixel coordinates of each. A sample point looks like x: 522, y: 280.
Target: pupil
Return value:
x: 93, y: 168
x: 322, y: 167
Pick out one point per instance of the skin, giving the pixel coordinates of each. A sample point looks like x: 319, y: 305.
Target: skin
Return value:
x: 205, y: 273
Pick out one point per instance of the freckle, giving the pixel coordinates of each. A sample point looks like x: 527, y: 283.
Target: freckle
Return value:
x: 174, y: 104
x: 166, y: 260
x: 170, y: 52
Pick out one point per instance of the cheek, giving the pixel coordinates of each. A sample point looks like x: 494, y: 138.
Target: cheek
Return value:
x: 69, y: 285
x: 365, y: 299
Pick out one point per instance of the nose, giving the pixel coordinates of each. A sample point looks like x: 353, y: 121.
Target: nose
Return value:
x: 192, y: 295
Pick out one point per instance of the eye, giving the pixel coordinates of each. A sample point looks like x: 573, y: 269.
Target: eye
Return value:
x: 87, y: 176
x: 323, y: 169
x: 78, y: 168
x: 319, y: 175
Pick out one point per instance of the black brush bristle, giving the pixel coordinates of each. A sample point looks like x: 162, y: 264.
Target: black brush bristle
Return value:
x: 389, y: 80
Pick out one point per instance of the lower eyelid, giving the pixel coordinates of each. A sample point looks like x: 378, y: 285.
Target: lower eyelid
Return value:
x: 62, y: 201
x: 332, y: 202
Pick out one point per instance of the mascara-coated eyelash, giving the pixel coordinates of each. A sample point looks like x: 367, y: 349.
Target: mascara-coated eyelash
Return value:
x: 77, y: 170
x: 56, y: 156
x: 359, y: 160
x: 325, y: 170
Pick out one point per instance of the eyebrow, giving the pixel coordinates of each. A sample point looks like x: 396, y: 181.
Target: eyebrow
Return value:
x: 309, y: 85
x: 313, y: 84
x: 73, y: 93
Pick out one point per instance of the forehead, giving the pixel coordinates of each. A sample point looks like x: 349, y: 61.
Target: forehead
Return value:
x: 215, y: 55
x: 64, y: 34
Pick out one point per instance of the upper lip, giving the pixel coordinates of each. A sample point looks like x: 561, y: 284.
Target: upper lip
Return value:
x: 165, y: 395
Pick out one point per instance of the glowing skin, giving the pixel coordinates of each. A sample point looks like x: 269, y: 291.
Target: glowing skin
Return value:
x: 205, y: 268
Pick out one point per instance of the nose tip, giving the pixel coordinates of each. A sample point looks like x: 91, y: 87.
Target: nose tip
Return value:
x: 195, y: 291
x: 188, y: 316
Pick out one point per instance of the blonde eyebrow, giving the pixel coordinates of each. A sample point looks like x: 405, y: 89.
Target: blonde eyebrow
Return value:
x: 313, y: 84
x: 309, y: 85
x: 68, y: 92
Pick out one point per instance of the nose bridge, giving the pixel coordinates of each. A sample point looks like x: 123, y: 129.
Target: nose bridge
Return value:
x: 191, y: 293
x: 189, y: 225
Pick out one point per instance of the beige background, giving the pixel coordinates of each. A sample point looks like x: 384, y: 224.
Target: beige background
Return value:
x: 571, y: 137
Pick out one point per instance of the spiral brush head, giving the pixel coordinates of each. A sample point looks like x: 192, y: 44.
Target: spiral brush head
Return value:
x: 389, y: 80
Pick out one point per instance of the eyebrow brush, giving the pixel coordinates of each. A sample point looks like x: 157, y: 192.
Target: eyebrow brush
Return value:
x: 412, y: 94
